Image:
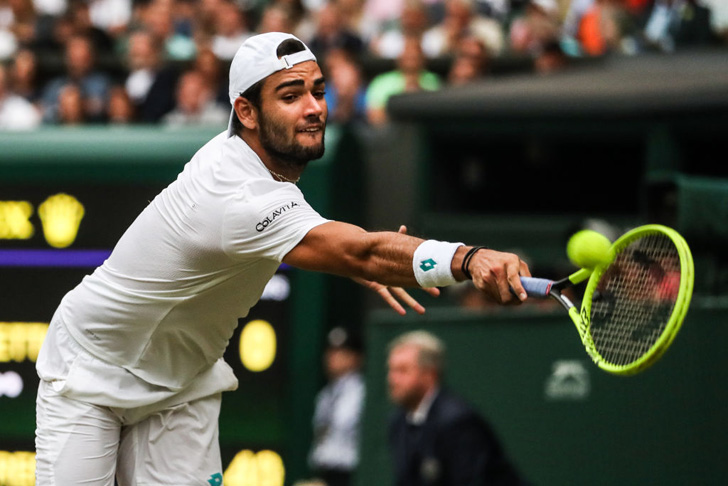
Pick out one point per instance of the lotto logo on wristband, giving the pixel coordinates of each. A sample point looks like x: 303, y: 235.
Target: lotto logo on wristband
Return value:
x: 427, y: 265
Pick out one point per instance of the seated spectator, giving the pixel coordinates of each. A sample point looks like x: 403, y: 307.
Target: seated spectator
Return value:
x: 303, y: 23
x: 462, y: 20
x: 206, y: 18
x: 22, y: 23
x: 550, y: 59
x: 184, y: 19
x: 150, y: 83
x: 357, y: 19
x: 230, y: 31
x: 331, y: 33
x: 345, y: 88
x: 570, y: 25
x: 383, y: 12
x: 39, y: 20
x: 412, y: 23
x: 409, y: 76
x: 599, y: 29
x: 16, y: 113
x: 537, y: 26
x: 71, y: 105
x: 195, y: 104
x: 24, y: 75
x: 80, y: 70
x: 674, y: 24
x: 210, y: 67
x: 157, y: 17
x: 77, y: 21
x: 121, y: 109
x: 275, y: 18
x: 470, y: 62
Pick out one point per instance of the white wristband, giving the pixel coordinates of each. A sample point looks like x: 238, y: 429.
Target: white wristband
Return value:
x: 432, y: 263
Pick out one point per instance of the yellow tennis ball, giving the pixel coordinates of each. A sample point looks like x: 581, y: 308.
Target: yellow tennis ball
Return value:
x: 588, y: 249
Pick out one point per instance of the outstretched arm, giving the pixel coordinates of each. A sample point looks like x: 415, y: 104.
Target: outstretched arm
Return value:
x: 386, y: 258
x: 394, y: 295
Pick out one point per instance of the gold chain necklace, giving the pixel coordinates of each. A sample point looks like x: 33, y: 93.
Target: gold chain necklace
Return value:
x: 283, y: 178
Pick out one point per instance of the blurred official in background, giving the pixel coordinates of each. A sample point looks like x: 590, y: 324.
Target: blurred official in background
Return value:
x: 336, y: 422
x: 436, y: 438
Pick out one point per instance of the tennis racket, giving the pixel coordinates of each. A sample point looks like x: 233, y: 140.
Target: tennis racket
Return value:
x: 634, y: 303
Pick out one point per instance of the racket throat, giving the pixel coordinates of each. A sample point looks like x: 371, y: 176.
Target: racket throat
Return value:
x: 562, y: 299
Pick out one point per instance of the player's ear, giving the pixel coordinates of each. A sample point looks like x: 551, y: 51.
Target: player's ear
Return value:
x: 247, y: 113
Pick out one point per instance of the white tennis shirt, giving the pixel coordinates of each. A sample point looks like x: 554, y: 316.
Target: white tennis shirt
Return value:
x: 161, y: 310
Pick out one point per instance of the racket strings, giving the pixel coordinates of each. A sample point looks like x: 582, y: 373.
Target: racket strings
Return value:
x: 634, y: 299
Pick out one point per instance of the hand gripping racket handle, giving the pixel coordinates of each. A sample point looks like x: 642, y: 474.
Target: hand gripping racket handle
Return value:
x: 537, y: 287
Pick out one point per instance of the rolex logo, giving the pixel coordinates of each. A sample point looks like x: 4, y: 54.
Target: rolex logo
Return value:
x: 61, y: 216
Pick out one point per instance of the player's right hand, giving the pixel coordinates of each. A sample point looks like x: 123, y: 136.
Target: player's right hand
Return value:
x: 497, y: 274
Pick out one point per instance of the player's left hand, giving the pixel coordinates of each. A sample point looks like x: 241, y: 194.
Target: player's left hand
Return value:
x: 393, y: 295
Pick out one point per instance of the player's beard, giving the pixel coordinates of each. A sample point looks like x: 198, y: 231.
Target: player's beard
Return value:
x: 289, y: 152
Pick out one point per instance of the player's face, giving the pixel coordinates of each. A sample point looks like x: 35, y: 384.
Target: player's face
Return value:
x: 406, y: 378
x: 293, y: 113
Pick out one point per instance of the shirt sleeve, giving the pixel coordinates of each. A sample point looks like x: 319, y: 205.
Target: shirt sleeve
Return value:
x: 267, y: 220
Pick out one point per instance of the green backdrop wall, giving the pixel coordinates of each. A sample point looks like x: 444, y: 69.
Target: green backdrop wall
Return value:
x: 562, y: 420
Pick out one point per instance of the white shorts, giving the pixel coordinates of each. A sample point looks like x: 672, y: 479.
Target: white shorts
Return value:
x: 81, y: 443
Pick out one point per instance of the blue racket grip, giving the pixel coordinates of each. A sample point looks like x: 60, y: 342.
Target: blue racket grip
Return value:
x: 537, y: 287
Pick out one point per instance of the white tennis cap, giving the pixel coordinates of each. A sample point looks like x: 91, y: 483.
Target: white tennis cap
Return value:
x: 256, y: 59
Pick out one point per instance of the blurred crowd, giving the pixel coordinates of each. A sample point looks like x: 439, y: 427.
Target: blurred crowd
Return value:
x: 166, y: 61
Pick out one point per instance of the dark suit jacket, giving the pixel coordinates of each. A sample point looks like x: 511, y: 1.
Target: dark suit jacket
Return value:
x: 454, y: 447
x: 161, y: 98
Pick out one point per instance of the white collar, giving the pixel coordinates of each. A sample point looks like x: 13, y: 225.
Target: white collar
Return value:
x: 419, y: 416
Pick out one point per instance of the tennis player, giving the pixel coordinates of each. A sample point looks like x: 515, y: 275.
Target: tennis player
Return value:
x: 131, y: 369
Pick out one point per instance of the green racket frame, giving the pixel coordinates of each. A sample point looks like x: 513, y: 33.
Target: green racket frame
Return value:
x: 682, y: 303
